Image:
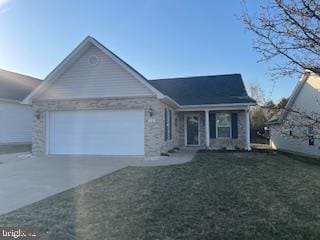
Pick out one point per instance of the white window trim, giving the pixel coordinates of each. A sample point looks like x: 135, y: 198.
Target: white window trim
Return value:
x: 186, y: 132
x: 230, y: 126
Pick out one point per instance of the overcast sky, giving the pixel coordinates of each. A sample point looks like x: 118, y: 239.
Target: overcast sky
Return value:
x: 159, y: 38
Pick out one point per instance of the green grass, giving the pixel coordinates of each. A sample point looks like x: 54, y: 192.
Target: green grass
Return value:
x: 216, y: 196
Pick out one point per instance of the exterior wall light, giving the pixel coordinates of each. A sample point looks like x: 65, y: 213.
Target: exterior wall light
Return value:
x: 38, y: 114
x: 150, y: 111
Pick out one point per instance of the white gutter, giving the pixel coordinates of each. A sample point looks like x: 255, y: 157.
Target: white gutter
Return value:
x: 170, y: 102
x: 230, y: 106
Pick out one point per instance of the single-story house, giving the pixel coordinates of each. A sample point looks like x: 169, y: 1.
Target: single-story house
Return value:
x: 296, y: 128
x: 15, y: 118
x: 94, y: 103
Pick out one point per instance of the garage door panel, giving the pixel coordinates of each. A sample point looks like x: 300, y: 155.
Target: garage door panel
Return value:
x: 96, y: 132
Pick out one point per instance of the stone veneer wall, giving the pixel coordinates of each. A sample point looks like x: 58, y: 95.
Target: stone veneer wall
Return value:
x: 231, y: 143
x: 174, y: 142
x: 154, y: 126
x: 181, y: 130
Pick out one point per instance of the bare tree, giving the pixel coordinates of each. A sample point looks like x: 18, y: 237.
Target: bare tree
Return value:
x: 283, y: 102
x: 287, y: 35
x: 261, y: 113
x: 256, y: 92
x: 287, y: 31
x: 299, y: 123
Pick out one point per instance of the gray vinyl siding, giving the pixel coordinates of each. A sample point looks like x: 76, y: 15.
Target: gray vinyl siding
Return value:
x: 15, y: 123
x: 106, y: 79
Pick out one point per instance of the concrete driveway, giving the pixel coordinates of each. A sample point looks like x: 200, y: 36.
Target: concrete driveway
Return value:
x: 25, y: 179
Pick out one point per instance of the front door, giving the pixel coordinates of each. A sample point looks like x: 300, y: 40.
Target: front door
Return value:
x: 192, y: 130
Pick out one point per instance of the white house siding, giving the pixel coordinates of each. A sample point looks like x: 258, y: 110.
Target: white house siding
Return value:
x: 15, y: 123
x: 307, y: 101
x: 106, y: 79
x: 285, y: 142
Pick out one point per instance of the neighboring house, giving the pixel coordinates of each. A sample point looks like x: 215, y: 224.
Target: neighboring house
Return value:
x: 294, y: 129
x: 15, y: 118
x: 94, y: 103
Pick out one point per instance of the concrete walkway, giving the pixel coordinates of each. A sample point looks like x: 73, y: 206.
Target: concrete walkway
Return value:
x: 25, y: 179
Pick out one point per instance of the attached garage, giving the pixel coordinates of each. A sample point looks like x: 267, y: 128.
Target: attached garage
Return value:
x: 95, y: 132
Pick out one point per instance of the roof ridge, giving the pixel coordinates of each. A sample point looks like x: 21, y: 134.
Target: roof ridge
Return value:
x: 20, y: 74
x: 196, y: 76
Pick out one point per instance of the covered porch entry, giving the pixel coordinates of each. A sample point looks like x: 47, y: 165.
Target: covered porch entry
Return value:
x: 215, y: 128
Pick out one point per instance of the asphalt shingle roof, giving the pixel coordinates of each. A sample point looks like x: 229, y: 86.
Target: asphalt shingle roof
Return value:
x: 15, y: 86
x: 219, y: 89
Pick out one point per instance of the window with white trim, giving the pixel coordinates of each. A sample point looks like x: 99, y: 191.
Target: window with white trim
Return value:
x: 223, y: 125
x: 170, y: 124
x: 167, y: 124
x: 310, y: 135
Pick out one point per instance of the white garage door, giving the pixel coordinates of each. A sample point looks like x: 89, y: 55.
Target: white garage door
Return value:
x: 92, y: 132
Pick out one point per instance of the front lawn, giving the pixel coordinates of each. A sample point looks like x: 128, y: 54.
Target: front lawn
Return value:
x: 216, y: 196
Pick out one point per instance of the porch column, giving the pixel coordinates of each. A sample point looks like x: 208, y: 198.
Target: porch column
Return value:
x: 248, y: 129
x: 207, y: 128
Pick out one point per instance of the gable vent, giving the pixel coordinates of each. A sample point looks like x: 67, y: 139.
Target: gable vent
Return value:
x: 93, y: 60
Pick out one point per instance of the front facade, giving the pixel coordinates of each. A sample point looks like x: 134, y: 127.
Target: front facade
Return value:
x: 15, y: 118
x: 93, y: 103
x: 296, y: 129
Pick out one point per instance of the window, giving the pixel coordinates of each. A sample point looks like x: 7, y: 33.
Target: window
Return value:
x: 170, y: 125
x: 310, y: 135
x: 167, y: 124
x: 223, y: 125
x: 212, y: 125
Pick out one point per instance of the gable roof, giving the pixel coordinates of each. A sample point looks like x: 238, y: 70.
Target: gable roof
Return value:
x: 204, y: 90
x: 16, y: 86
x: 75, y: 54
x: 278, y: 118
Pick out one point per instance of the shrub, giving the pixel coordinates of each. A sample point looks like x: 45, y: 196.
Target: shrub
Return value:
x: 165, y: 154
